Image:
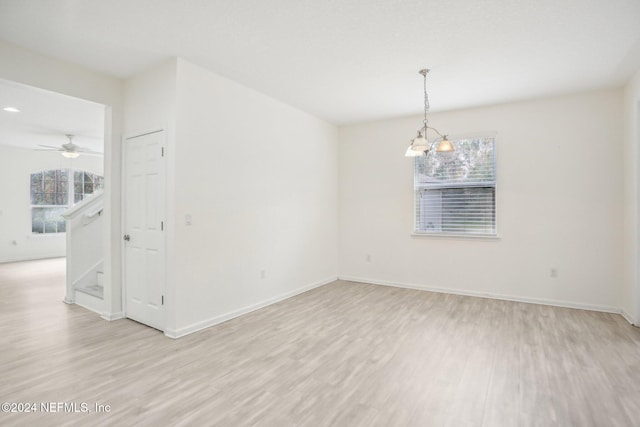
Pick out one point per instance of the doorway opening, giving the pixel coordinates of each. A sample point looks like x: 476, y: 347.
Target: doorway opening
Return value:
x: 51, y: 163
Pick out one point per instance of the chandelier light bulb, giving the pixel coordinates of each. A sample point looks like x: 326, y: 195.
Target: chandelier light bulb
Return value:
x: 420, y: 143
x: 413, y: 153
x: 445, y: 146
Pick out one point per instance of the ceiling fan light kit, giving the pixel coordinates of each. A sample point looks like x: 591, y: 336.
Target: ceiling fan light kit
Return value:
x: 420, y: 144
x: 70, y: 154
x: 70, y: 150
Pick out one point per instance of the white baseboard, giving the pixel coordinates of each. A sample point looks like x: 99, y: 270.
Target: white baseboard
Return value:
x: 173, y: 333
x: 628, y: 317
x: 194, y: 327
x: 89, y: 302
x: 530, y: 300
x: 112, y: 316
x: 31, y: 258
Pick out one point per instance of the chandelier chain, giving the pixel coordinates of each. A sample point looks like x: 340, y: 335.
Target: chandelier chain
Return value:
x: 426, y: 103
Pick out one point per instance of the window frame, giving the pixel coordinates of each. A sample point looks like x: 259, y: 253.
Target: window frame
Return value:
x: 446, y: 234
x: 70, y: 193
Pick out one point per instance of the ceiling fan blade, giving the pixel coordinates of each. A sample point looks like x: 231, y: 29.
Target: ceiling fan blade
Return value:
x: 70, y: 147
x: 87, y: 150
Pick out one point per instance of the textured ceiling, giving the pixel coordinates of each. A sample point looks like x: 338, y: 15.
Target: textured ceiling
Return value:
x: 350, y: 60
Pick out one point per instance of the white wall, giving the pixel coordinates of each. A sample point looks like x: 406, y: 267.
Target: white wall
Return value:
x: 31, y: 68
x: 271, y: 207
x: 631, y: 289
x: 16, y: 166
x: 150, y: 99
x: 259, y: 179
x: 268, y: 208
x: 559, y: 201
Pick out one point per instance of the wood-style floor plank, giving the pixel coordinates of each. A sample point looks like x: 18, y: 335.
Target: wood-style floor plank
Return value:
x: 345, y: 354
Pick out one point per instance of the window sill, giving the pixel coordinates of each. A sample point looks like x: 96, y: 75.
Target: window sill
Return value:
x: 45, y: 235
x: 458, y: 236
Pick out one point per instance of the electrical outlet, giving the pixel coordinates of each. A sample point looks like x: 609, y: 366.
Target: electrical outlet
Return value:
x: 553, y: 272
x: 263, y: 274
x: 368, y: 258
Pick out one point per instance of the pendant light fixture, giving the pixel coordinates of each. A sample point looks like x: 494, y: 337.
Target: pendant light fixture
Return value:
x: 420, y: 144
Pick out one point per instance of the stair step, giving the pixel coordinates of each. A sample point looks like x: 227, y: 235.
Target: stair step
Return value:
x: 96, y: 290
x: 100, y: 277
x: 90, y: 302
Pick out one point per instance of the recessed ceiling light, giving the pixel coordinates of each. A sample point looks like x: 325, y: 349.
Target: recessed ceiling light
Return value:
x: 11, y: 109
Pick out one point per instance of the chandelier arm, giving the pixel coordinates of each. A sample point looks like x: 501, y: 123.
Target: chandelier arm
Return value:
x: 436, y: 131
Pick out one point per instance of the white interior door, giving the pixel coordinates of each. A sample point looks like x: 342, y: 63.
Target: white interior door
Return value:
x: 144, y: 211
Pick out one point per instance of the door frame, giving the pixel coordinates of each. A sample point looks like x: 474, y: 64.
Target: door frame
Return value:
x: 123, y: 224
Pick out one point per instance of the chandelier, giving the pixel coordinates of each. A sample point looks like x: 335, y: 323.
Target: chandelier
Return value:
x: 420, y: 144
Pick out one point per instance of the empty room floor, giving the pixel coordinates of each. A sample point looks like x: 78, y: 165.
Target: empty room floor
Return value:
x: 345, y: 354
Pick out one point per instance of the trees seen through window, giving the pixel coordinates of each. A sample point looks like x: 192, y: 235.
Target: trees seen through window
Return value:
x: 53, y: 192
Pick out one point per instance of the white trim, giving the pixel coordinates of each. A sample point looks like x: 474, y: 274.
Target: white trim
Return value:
x: 459, y: 236
x: 140, y: 133
x: 109, y: 162
x: 32, y: 258
x: 628, y: 317
x: 89, y: 302
x: 38, y: 236
x: 122, y: 232
x: 194, y: 327
x: 90, y: 201
x: 113, y: 316
x: 529, y: 300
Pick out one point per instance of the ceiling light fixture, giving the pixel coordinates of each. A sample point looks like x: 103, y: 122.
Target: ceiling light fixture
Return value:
x: 420, y: 144
x: 70, y: 150
x: 70, y: 154
x: 11, y: 109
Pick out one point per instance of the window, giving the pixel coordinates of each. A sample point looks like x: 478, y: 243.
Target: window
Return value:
x: 455, y: 193
x: 51, y: 193
x: 84, y: 183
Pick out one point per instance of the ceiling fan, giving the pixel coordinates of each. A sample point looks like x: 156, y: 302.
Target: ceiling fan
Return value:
x: 70, y: 150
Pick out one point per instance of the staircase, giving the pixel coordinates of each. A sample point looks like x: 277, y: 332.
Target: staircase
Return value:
x: 95, y: 290
x: 89, y: 292
x: 85, y: 265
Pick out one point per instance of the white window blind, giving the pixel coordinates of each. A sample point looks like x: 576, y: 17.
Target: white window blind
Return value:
x: 455, y: 193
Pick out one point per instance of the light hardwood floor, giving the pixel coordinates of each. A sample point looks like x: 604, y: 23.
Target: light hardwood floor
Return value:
x: 345, y: 354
